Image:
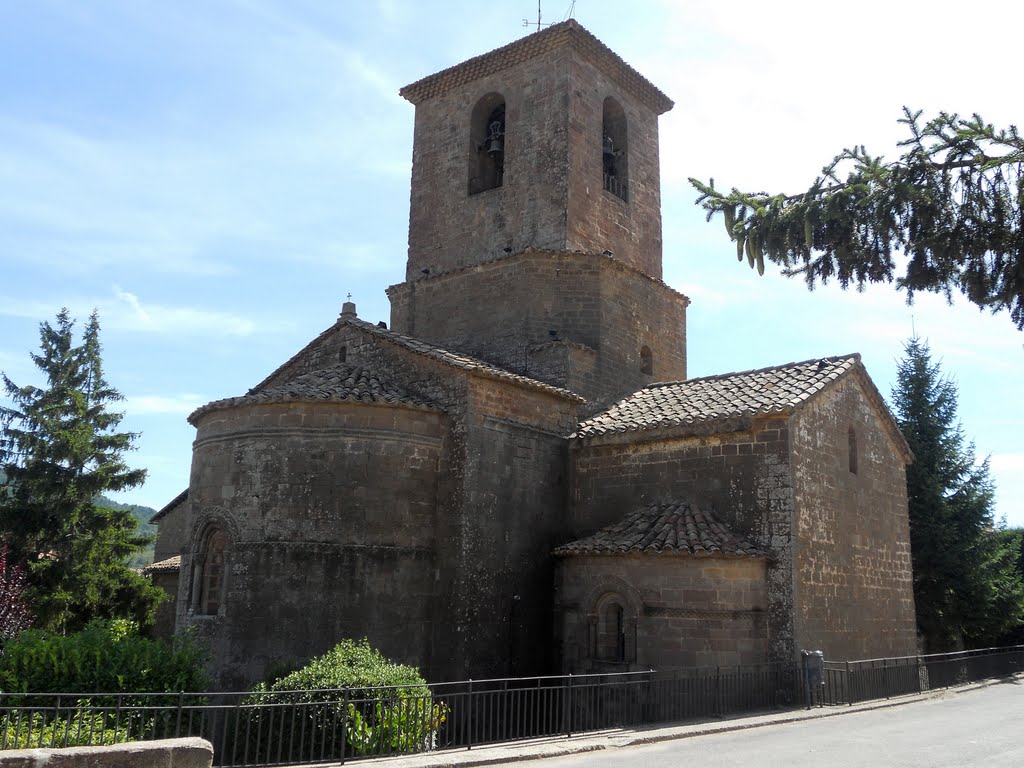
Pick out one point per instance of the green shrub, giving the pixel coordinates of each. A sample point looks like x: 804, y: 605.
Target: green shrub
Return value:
x: 105, y: 657
x: 351, y: 699
x: 133, y: 684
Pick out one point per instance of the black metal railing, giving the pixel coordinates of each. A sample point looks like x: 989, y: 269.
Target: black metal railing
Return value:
x: 851, y: 682
x: 292, y: 727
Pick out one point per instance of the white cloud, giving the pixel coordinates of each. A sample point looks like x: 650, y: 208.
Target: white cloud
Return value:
x: 126, y: 312
x: 157, y: 318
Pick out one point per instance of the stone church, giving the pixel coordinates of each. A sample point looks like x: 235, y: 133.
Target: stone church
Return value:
x: 516, y: 476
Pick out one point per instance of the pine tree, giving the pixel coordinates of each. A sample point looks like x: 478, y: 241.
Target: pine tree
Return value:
x: 966, y: 584
x: 953, y: 203
x: 60, y: 449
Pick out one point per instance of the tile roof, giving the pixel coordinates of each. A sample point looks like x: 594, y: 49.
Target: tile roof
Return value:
x: 566, y: 32
x: 456, y: 359
x: 766, y: 391
x: 170, y: 564
x: 665, y: 529
x: 340, y: 383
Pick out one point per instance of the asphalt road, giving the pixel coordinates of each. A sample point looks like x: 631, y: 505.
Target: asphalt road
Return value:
x: 983, y: 728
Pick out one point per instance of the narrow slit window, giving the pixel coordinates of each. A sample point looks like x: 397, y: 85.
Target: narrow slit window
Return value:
x: 611, y: 631
x: 851, y: 439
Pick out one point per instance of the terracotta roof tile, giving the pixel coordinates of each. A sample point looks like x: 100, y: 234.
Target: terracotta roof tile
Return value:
x: 341, y: 382
x: 170, y: 564
x: 766, y: 391
x: 568, y: 32
x: 666, y: 529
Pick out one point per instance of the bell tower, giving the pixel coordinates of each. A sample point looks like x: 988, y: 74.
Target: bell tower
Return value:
x: 535, y: 217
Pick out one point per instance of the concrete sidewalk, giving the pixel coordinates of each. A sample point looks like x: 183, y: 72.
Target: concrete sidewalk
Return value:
x: 535, y: 749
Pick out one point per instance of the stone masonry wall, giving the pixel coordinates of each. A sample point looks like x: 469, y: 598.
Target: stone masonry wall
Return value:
x: 448, y: 227
x: 552, y: 195
x: 504, y: 311
x: 854, y: 593
x: 692, y: 612
x: 501, y: 508
x: 171, y: 533
x: 329, y: 509
x: 440, y: 592
x: 742, y: 473
x: 598, y: 220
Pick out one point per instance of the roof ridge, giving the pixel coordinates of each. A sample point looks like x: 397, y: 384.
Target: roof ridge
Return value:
x: 855, y: 356
x: 777, y: 389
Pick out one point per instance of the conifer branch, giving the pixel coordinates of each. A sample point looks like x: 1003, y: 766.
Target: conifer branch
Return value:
x: 951, y: 204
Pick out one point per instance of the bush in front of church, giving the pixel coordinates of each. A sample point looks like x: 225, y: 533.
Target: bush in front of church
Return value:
x: 350, y: 701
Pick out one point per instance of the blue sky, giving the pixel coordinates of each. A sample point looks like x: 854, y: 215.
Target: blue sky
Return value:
x: 216, y: 176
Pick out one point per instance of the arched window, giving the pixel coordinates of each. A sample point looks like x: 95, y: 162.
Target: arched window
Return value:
x: 487, y: 144
x: 209, y: 566
x: 611, y: 631
x: 646, y: 360
x: 851, y: 439
x: 614, y: 149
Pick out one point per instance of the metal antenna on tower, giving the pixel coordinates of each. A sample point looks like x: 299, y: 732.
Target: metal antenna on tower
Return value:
x: 568, y: 15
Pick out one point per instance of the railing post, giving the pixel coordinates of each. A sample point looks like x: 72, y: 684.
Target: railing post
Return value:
x: 344, y: 724
x: 849, y: 685
x: 718, y: 691
x: 469, y: 724
x: 177, y: 719
x: 568, y: 709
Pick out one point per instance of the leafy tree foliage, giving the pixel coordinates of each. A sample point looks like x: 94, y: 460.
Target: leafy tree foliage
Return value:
x: 967, y: 586
x: 951, y: 203
x: 14, y: 613
x: 60, y: 449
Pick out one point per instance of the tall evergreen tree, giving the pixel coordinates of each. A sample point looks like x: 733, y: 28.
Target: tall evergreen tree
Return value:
x: 60, y: 449
x: 966, y: 585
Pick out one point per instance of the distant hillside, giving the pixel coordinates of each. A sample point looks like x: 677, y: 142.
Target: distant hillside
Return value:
x: 140, y: 513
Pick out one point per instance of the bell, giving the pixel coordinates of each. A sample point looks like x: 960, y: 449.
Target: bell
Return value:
x: 609, y: 148
x: 495, y: 145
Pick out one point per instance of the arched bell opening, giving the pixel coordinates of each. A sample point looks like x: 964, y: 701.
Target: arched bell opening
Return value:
x: 615, y: 149
x: 487, y: 144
